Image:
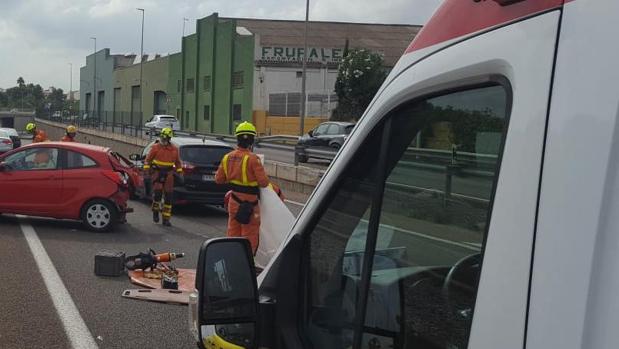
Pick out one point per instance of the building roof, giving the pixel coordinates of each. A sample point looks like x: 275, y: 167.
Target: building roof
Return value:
x: 389, y: 39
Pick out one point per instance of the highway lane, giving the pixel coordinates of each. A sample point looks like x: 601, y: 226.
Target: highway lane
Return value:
x: 30, y: 319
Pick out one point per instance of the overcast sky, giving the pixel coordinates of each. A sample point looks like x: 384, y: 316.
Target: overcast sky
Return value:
x: 39, y: 38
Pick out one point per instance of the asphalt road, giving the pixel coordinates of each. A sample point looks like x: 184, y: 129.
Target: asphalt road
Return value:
x: 30, y: 319
x: 285, y: 156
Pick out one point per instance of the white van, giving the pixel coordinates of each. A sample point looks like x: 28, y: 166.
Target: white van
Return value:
x: 475, y: 204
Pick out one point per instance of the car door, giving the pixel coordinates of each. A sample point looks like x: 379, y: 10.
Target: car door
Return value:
x: 31, y: 182
x: 335, y: 136
x: 408, y: 245
x: 317, y: 138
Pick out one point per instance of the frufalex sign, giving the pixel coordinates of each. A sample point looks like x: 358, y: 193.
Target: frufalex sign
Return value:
x: 284, y: 54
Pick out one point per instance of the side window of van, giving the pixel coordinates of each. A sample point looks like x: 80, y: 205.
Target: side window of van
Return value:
x: 421, y: 224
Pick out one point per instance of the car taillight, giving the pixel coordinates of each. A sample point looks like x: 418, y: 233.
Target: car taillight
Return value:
x: 6, y: 141
x: 116, y: 177
x: 188, y: 168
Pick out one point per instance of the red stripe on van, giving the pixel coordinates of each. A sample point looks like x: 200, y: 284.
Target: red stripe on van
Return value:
x: 456, y: 18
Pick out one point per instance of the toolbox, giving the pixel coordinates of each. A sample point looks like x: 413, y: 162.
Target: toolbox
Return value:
x: 109, y: 263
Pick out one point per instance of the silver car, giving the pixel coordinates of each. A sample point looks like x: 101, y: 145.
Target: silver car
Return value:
x: 161, y: 121
x: 13, y: 135
x: 6, y: 143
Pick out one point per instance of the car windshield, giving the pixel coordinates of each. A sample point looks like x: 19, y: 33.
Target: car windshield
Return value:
x: 168, y: 118
x: 203, y: 154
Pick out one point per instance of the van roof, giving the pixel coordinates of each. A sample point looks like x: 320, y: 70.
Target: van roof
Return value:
x: 449, y: 23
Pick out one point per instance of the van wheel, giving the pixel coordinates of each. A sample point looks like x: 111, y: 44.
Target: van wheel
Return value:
x: 99, y: 215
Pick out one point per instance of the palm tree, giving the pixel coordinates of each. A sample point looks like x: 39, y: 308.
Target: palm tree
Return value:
x: 20, y: 82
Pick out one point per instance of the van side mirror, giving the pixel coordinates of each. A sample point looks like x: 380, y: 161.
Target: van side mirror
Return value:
x: 227, y: 294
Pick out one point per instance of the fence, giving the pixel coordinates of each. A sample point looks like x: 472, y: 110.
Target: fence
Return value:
x: 126, y: 123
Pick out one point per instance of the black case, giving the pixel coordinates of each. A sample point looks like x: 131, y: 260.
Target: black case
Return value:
x: 109, y: 263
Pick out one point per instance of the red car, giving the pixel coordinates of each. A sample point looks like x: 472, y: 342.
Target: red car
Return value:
x: 66, y: 181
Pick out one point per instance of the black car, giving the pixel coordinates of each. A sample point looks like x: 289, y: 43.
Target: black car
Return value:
x: 200, y: 159
x: 326, y: 136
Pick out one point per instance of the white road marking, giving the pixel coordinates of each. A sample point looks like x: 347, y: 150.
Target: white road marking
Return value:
x: 76, y: 330
x: 294, y: 202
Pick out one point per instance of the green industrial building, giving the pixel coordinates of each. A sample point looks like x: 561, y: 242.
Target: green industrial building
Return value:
x: 210, y: 81
x: 127, y: 107
x: 233, y: 70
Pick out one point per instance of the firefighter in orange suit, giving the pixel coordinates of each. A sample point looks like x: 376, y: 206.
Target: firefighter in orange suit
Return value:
x: 243, y: 171
x: 70, y: 136
x: 37, y: 135
x: 162, y: 162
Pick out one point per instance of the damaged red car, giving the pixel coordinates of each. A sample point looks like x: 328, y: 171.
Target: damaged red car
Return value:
x: 65, y: 181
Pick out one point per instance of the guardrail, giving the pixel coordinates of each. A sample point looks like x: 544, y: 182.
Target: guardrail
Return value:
x: 479, y: 162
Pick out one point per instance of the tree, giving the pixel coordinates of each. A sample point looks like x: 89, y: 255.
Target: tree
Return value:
x: 360, y: 75
x: 56, y: 99
x: 20, y: 82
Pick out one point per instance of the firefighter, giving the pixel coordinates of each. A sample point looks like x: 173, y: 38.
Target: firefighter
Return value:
x: 273, y: 186
x: 70, y: 136
x: 242, y: 170
x: 161, y: 163
x: 38, y: 135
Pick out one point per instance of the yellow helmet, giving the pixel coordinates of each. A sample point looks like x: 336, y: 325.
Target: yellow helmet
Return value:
x: 166, y: 132
x: 30, y: 127
x: 71, y: 129
x: 245, y: 128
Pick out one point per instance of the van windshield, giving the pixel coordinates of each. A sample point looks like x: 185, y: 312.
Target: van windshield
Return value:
x: 202, y: 154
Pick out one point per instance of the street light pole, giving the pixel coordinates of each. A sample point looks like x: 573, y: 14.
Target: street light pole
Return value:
x: 303, y: 78
x: 70, y: 81
x: 141, y: 61
x: 184, y: 21
x: 70, y: 88
x: 94, y: 78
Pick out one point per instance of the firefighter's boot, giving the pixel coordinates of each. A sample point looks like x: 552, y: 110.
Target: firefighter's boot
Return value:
x: 156, y: 212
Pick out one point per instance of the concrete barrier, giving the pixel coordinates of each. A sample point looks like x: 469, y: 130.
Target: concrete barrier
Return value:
x: 298, y: 179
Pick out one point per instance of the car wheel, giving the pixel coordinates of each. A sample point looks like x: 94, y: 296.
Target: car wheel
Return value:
x: 336, y: 145
x: 99, y: 215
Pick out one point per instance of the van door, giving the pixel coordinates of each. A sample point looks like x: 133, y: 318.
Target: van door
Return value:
x: 420, y: 235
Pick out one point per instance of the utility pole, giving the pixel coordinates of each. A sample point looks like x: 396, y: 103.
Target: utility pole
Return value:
x: 141, y: 62
x: 94, y: 78
x: 303, y: 79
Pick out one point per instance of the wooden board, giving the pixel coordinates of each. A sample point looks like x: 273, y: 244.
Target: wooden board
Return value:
x: 158, y: 295
x: 186, y: 279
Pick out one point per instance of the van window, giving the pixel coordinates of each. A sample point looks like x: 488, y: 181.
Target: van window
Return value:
x: 430, y: 222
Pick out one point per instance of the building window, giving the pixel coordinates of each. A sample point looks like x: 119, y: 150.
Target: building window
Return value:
x: 207, y: 112
x: 178, y: 113
x: 237, y: 79
x: 190, y: 85
x: 299, y: 74
x: 236, y: 112
x: 285, y: 104
x: 186, y: 126
x: 178, y: 85
x: 293, y: 105
x: 206, y: 83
